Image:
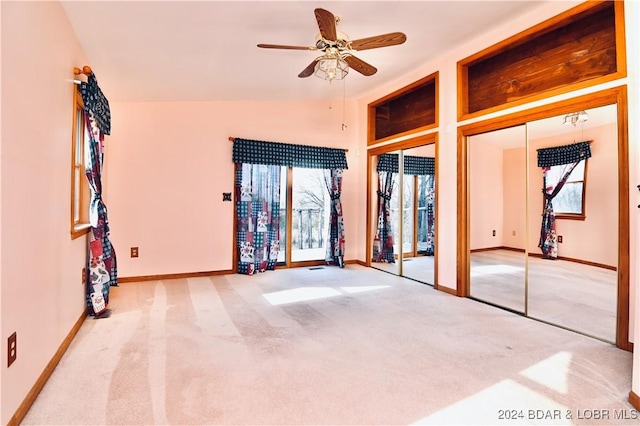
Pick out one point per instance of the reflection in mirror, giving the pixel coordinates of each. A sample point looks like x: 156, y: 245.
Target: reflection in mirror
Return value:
x: 573, y: 249
x: 404, y: 234
x: 497, y: 217
x: 419, y: 214
x: 385, y: 186
x: 407, y: 217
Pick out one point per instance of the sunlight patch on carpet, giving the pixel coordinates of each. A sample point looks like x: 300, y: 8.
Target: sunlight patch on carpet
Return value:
x: 300, y: 294
x: 502, y: 403
x: 552, y: 372
x: 494, y: 269
x: 304, y: 294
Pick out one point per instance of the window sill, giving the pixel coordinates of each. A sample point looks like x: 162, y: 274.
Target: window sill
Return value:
x: 80, y: 230
x: 570, y: 216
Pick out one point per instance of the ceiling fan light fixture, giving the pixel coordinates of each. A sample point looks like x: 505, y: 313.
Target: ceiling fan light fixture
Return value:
x: 575, y: 118
x: 331, y: 67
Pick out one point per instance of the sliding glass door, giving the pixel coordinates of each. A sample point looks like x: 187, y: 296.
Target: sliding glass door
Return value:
x: 304, y: 221
x: 310, y: 215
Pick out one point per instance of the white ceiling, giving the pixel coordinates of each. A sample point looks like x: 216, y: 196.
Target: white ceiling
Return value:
x: 206, y: 50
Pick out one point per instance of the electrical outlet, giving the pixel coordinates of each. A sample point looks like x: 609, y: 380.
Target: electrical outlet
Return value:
x: 559, y: 238
x: 513, y: 233
x: 494, y: 232
x: 134, y: 251
x: 12, y: 348
x: 84, y: 276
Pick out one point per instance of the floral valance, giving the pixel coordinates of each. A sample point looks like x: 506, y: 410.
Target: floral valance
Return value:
x: 289, y: 155
x: 95, y: 101
x: 413, y: 165
x: 565, y: 154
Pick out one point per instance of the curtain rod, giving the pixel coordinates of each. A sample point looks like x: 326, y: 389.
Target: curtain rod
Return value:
x: 232, y: 139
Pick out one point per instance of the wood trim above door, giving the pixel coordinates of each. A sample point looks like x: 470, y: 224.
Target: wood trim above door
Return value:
x: 616, y: 95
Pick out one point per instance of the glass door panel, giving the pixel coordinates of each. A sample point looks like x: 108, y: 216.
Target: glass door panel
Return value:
x: 497, y: 212
x: 309, y: 214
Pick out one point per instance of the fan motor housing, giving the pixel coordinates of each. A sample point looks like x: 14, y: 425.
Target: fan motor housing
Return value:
x: 341, y: 42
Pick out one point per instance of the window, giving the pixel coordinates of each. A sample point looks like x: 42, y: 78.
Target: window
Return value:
x: 80, y: 191
x: 569, y: 203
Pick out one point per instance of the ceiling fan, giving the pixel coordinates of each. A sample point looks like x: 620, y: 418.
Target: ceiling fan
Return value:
x: 338, y: 50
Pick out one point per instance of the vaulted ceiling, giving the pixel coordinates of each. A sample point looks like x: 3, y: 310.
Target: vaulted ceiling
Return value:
x: 206, y: 50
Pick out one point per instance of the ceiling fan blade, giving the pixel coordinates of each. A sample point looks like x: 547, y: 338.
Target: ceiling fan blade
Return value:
x: 382, y: 40
x: 308, y: 71
x: 327, y: 24
x: 281, y: 46
x: 359, y: 65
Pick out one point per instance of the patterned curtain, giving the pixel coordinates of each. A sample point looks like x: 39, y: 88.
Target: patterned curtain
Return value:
x: 413, y: 165
x: 570, y: 156
x: 424, y: 168
x: 429, y: 185
x: 335, y: 246
x: 383, y: 241
x: 288, y: 155
x: 258, y: 216
x: 103, y: 270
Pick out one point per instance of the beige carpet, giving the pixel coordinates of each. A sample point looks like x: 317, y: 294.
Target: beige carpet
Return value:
x: 326, y: 346
x: 569, y: 294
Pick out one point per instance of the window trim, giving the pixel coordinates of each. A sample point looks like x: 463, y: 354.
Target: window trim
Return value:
x: 80, y: 226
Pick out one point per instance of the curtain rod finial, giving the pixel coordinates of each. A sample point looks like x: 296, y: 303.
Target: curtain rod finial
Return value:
x: 86, y: 70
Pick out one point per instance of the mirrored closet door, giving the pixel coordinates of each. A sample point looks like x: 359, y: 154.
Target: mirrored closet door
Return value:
x: 574, y: 225
x: 543, y: 219
x: 497, y: 215
x: 418, y: 237
x: 385, y: 211
x: 403, y: 211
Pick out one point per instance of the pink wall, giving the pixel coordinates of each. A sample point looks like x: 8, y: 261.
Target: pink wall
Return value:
x: 168, y: 164
x: 632, y: 28
x: 1, y: 137
x: 595, y: 238
x: 486, y: 190
x: 42, y: 292
x: 515, y: 194
x: 39, y: 50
